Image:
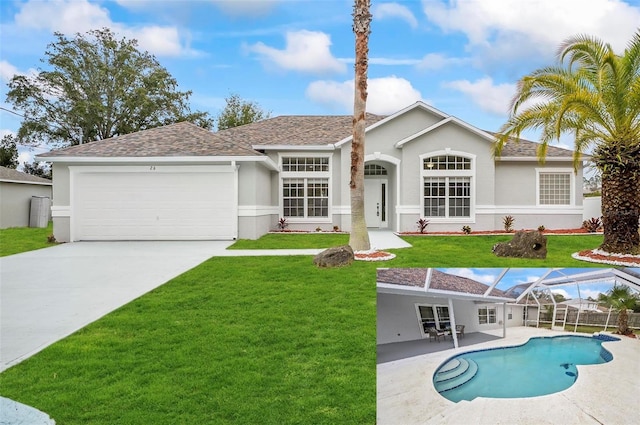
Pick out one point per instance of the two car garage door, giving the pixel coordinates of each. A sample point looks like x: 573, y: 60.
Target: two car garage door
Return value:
x: 155, y: 203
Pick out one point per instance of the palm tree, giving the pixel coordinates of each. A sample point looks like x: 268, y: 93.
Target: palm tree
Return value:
x: 621, y: 299
x: 358, y: 237
x: 593, y: 94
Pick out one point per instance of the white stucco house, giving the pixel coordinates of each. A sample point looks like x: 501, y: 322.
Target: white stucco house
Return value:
x: 183, y: 182
x: 16, y: 192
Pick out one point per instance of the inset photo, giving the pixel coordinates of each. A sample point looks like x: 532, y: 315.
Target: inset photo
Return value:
x: 526, y: 345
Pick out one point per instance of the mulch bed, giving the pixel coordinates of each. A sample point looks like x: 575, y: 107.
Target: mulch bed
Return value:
x: 373, y: 255
x: 580, y: 231
x: 598, y: 256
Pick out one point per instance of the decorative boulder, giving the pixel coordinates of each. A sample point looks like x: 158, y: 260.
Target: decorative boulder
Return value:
x: 524, y: 244
x: 334, y: 257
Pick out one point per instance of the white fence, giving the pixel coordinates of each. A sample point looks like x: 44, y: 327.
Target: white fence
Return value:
x: 592, y: 207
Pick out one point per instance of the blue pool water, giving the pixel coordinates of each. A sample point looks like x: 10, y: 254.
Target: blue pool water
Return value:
x: 540, y: 366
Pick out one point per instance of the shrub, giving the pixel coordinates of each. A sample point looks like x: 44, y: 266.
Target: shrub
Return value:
x: 541, y: 228
x: 592, y: 225
x: 422, y: 225
x: 508, y: 223
x: 51, y: 239
x: 466, y: 230
x: 282, y: 223
x: 318, y: 229
x: 336, y: 228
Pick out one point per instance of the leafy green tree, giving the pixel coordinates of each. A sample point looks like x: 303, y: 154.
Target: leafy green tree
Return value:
x: 240, y: 112
x: 38, y: 169
x: 8, y: 152
x: 620, y: 298
x: 97, y: 87
x: 594, y: 94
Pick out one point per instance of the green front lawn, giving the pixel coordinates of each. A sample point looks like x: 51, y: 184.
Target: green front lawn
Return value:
x: 15, y: 240
x: 256, y: 340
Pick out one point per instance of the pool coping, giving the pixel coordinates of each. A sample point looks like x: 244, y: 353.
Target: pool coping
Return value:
x: 603, y: 394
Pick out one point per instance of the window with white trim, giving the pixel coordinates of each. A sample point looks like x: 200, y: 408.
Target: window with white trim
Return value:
x: 486, y: 315
x: 433, y: 316
x: 305, y: 187
x: 554, y: 188
x: 447, y: 186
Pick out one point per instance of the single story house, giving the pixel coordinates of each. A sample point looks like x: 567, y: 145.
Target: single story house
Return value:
x: 183, y: 182
x: 16, y: 192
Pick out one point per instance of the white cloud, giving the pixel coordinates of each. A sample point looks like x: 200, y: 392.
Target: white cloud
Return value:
x: 5, y: 132
x: 561, y: 292
x: 305, y: 51
x: 394, y: 10
x: 79, y: 16
x: 474, y: 274
x: 433, y: 61
x: 490, y: 97
x: 7, y: 71
x: 385, y: 95
x: 496, y: 32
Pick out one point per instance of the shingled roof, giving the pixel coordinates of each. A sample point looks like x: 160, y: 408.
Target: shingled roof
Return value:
x: 179, y: 139
x: 522, y: 148
x: 185, y: 139
x: 416, y: 277
x: 15, y: 176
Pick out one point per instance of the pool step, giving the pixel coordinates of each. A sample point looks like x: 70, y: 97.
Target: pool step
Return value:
x: 453, y: 378
x: 452, y: 369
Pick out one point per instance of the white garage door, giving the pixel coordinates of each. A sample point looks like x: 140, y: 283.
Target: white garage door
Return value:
x: 155, y: 203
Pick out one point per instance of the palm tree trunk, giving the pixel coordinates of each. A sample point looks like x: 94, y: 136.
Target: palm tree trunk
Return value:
x: 621, y: 211
x: 358, y: 237
x: 623, y: 321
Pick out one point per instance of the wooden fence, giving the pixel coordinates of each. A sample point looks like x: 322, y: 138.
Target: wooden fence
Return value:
x: 591, y: 318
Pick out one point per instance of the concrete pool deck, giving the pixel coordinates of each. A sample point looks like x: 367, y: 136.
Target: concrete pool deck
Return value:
x: 603, y: 394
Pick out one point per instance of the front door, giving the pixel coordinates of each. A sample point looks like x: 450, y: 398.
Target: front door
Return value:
x: 375, y: 202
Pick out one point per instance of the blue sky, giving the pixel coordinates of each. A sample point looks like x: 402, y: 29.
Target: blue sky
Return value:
x: 516, y: 276
x: 296, y: 57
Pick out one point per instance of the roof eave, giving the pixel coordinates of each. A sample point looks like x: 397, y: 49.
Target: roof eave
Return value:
x: 535, y: 158
x: 390, y: 288
x: 293, y: 147
x: 158, y: 159
x: 25, y: 182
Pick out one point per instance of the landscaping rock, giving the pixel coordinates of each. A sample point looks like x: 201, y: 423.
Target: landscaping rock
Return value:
x: 532, y: 244
x: 334, y: 257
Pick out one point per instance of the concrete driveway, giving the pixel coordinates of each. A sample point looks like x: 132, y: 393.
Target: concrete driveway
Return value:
x: 50, y: 293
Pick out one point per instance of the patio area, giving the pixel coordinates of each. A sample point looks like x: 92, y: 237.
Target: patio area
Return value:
x: 603, y: 394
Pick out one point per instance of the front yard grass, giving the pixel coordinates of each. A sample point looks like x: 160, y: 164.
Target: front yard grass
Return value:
x: 15, y: 240
x: 268, y: 340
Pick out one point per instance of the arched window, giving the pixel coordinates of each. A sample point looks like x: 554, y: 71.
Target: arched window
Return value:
x: 447, y: 185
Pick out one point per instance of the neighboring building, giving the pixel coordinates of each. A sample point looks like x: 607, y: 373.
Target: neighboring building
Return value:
x: 582, y: 305
x: 16, y: 190
x: 183, y: 182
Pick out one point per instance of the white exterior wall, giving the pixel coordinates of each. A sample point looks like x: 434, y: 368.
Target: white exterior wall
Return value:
x: 257, y: 208
x: 397, y: 319
x: 458, y: 141
x: 516, y: 195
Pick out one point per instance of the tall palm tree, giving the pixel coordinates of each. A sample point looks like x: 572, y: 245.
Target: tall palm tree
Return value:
x: 620, y: 298
x: 358, y: 237
x: 594, y: 94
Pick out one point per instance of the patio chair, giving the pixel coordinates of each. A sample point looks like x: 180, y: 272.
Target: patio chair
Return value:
x: 460, y: 330
x: 435, y: 334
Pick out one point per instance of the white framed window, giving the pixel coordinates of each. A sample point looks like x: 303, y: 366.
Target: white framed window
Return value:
x: 447, y: 185
x: 305, y: 181
x: 554, y: 187
x: 486, y: 315
x: 432, y: 316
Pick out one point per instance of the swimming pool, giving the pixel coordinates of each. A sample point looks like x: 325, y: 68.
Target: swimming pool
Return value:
x: 543, y: 365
